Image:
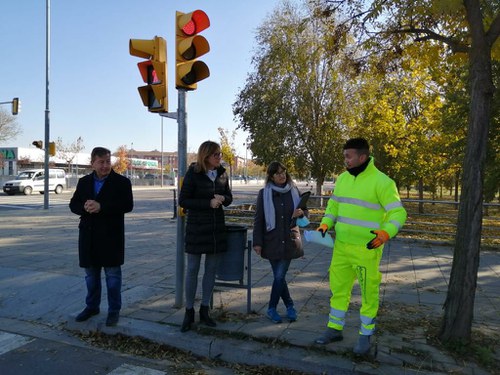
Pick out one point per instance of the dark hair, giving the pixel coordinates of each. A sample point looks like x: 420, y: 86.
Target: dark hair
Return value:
x: 205, y: 150
x: 359, y: 144
x: 274, y: 167
x: 99, y: 152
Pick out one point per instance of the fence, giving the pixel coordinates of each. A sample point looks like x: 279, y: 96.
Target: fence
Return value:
x: 431, y: 220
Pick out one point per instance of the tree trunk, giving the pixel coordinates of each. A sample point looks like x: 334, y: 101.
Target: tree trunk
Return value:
x: 459, y: 304
x: 421, y: 195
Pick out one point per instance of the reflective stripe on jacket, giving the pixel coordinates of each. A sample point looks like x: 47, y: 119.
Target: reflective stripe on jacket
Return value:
x: 359, y: 204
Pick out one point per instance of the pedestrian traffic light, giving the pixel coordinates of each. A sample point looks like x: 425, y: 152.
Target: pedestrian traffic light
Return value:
x: 37, y: 144
x: 188, y: 47
x: 52, y: 148
x: 153, y: 71
x: 16, y: 106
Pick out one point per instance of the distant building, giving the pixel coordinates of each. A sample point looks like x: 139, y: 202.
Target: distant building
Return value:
x: 15, y: 159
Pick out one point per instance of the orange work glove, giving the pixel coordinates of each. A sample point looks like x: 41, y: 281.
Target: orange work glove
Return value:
x: 381, y: 237
x: 323, y: 228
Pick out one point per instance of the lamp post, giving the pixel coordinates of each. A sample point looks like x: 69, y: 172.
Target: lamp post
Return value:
x: 161, y: 163
x: 131, y: 164
x: 246, y: 162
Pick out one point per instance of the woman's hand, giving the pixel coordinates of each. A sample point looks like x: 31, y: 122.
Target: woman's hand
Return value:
x: 220, y: 198
x: 215, y: 203
x: 298, y: 212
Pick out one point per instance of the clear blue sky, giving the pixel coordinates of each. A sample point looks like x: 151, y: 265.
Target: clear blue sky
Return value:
x: 94, y: 80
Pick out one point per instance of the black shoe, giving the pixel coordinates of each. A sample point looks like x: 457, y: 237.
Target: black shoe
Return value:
x: 330, y: 335
x: 112, y: 319
x: 205, y: 317
x: 86, y: 314
x: 188, y: 320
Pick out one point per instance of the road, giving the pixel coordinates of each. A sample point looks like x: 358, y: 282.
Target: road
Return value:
x: 145, y: 198
x: 28, y: 355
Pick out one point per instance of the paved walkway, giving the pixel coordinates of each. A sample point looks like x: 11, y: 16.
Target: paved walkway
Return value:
x: 40, y: 283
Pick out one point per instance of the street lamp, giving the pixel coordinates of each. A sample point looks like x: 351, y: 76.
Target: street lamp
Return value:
x: 246, y: 162
x: 131, y: 163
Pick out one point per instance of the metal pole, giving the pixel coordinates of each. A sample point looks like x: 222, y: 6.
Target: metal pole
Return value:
x: 47, y: 111
x: 162, y: 167
x: 182, y: 167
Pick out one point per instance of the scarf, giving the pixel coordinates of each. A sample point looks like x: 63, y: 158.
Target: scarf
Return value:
x: 269, y: 212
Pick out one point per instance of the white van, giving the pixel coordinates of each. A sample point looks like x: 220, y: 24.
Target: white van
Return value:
x: 33, y: 180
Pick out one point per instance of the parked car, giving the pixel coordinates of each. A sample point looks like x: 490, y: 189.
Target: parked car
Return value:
x: 34, y: 180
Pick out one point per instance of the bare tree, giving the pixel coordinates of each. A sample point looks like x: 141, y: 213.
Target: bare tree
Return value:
x: 8, y: 126
x: 68, y: 152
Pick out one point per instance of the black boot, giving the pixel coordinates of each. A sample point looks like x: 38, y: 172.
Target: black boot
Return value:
x: 188, y: 320
x: 205, y: 317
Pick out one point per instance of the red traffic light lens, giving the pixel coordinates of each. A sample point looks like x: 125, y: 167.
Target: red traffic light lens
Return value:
x: 189, y: 28
x: 199, y: 21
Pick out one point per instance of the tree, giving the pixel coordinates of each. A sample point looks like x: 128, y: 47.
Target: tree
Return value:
x: 122, y: 161
x: 297, y: 103
x: 9, y: 128
x: 68, y: 152
x: 470, y: 29
x: 227, y: 148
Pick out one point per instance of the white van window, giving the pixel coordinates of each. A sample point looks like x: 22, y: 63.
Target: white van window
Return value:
x: 25, y: 176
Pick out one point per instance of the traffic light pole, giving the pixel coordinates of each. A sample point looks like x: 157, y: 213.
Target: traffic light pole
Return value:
x: 181, y: 117
x: 182, y: 168
x: 47, y: 111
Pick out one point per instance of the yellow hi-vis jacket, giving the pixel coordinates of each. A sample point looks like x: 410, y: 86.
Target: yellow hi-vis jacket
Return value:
x: 369, y: 201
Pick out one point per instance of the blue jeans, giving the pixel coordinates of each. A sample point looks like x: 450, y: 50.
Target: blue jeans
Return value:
x: 113, y: 284
x: 280, y: 287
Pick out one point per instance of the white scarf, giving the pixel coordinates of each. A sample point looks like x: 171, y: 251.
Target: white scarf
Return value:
x: 269, y: 212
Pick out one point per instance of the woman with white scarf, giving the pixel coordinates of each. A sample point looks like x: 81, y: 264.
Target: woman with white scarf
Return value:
x: 276, y: 208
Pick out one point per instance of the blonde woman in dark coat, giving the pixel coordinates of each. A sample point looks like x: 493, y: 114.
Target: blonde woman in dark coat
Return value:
x: 205, y: 191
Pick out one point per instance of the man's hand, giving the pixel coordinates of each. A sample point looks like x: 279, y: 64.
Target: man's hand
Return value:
x: 92, y: 206
x: 381, y: 237
x: 323, y: 228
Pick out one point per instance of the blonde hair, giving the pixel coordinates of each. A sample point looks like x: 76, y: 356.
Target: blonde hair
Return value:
x: 205, y: 150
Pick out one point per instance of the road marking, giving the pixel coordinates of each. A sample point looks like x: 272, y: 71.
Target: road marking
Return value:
x: 127, y: 369
x: 10, y: 341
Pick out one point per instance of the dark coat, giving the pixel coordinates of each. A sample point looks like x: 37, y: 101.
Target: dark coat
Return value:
x: 101, y: 241
x: 277, y: 243
x: 205, y: 226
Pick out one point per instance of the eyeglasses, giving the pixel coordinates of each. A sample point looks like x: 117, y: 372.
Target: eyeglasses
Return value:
x: 217, y: 154
x: 282, y: 173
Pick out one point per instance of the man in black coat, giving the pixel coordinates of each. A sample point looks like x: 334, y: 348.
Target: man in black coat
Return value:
x: 101, y: 199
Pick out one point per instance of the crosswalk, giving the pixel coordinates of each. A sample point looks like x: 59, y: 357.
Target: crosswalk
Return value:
x: 10, y: 342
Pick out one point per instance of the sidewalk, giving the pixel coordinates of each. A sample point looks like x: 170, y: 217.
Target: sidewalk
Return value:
x: 41, y: 283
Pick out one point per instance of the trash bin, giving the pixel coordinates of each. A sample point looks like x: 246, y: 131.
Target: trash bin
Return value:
x: 232, y: 263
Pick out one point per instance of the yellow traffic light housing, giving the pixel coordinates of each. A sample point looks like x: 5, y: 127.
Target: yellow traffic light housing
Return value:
x: 153, y: 72
x: 188, y: 47
x: 16, y: 106
x: 52, y: 148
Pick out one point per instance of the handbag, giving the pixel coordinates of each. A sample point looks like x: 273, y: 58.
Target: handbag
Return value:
x: 297, y: 242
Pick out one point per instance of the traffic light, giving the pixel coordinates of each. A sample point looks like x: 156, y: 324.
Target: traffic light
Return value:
x: 188, y: 47
x: 52, y: 148
x: 16, y: 106
x: 38, y: 144
x: 153, y: 71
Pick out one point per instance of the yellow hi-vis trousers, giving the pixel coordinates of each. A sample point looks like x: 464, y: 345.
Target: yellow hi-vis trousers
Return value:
x: 348, y: 263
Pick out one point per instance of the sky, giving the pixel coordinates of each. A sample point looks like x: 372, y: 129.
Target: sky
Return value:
x: 93, y: 79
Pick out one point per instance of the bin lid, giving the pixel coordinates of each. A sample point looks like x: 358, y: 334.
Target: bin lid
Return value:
x: 235, y: 228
